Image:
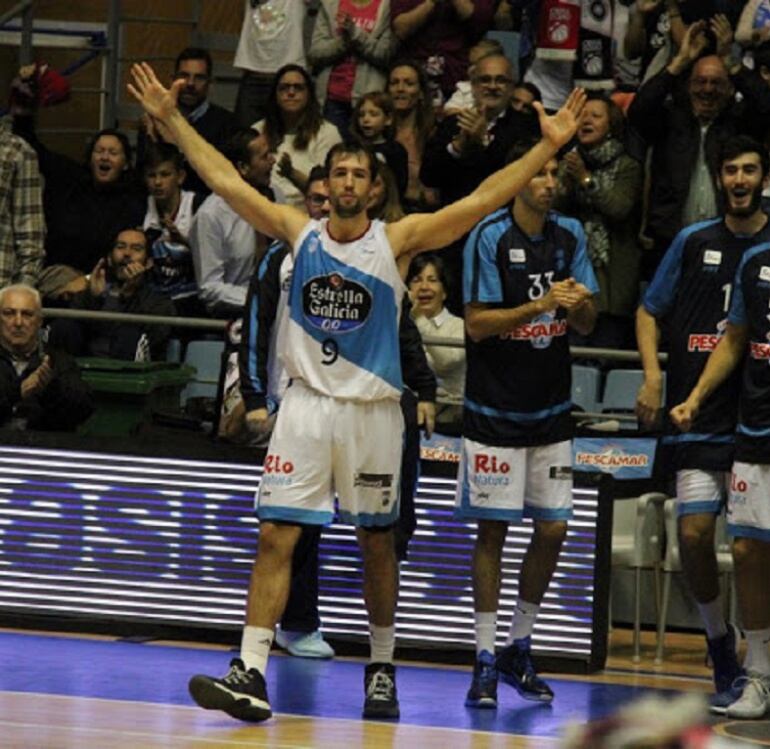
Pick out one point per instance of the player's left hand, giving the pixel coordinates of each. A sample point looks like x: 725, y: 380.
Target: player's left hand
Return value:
x: 560, y: 127
x: 426, y: 416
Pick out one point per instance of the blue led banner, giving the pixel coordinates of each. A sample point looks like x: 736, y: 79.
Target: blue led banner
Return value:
x: 172, y: 541
x: 623, y: 458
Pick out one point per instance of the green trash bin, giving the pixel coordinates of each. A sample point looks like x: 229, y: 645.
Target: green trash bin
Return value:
x: 127, y: 393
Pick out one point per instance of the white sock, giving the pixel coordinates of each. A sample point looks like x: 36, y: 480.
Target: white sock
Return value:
x: 712, y: 614
x: 524, y: 615
x: 757, y: 651
x: 255, y: 647
x: 485, y: 625
x: 382, y: 643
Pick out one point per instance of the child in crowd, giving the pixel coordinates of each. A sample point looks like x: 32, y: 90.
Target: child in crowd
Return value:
x: 372, y: 124
x: 170, y: 211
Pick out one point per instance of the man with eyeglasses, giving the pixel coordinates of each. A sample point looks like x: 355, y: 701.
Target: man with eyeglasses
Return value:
x: 474, y: 143
x: 685, y: 132
x: 216, y: 124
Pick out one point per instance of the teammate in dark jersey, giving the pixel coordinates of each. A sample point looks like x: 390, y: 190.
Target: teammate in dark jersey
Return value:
x: 690, y: 294
x: 362, y: 403
x: 747, y: 340
x: 527, y: 277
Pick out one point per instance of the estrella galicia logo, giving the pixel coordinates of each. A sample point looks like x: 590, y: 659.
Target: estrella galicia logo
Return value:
x: 333, y: 303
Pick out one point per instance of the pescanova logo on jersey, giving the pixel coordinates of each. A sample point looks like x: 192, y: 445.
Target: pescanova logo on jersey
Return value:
x: 540, y: 331
x: 623, y: 458
x: 333, y: 303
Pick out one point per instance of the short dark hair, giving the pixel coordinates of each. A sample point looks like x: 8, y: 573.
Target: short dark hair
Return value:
x: 421, y: 262
x: 114, y: 132
x: 318, y: 173
x: 733, y: 147
x: 195, y: 53
x: 138, y: 230
x: 531, y: 87
x: 348, y: 148
x: 161, y: 152
x: 237, y: 147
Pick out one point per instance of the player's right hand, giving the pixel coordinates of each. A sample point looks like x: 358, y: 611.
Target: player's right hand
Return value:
x: 649, y: 401
x: 683, y: 415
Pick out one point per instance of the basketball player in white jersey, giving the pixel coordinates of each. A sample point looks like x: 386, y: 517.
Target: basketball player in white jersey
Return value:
x: 339, y: 426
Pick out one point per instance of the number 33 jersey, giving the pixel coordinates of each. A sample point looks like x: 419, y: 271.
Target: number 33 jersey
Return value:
x: 344, y: 309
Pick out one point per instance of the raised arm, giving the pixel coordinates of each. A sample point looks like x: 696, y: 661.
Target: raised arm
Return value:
x: 421, y: 232
x: 279, y: 221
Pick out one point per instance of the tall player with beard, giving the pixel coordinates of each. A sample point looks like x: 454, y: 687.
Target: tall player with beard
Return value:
x: 690, y: 296
x: 527, y: 277
x: 339, y: 426
x: 748, y: 506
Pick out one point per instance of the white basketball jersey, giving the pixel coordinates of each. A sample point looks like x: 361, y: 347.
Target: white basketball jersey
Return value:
x: 345, y: 307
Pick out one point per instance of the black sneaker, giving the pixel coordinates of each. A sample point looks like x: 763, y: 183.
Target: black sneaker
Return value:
x: 514, y: 667
x: 722, y: 653
x: 241, y: 693
x: 483, y: 691
x: 380, y: 689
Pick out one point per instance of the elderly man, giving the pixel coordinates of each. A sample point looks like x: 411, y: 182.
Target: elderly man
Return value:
x: 39, y: 389
x: 684, y: 133
x: 474, y: 143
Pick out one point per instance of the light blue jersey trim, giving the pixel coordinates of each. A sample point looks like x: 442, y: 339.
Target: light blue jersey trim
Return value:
x: 743, y: 429
x: 661, y: 292
x: 295, y: 515
x: 678, y: 439
x: 737, y: 314
x: 705, y: 507
x: 581, y: 269
x: 488, y: 513
x: 747, y: 531
x: 497, y: 413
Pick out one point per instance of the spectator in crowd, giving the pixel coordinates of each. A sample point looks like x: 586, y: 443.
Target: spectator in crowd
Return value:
x: 523, y: 96
x: 22, y: 223
x: 167, y: 224
x: 85, y: 205
x: 271, y: 37
x: 295, y: 131
x: 59, y: 283
x: 601, y: 185
x: 427, y: 283
x: 684, y: 133
x: 384, y: 200
x: 39, y: 388
x: 753, y: 28
x: 469, y: 146
x: 438, y: 35
x: 655, y: 28
x: 373, y: 124
x: 349, y: 54
x: 118, y: 283
x: 761, y: 57
x: 462, y: 96
x: 225, y: 248
x: 194, y: 72
x: 414, y: 123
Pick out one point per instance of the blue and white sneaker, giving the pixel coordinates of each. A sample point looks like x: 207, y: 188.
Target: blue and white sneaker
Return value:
x: 304, y: 644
